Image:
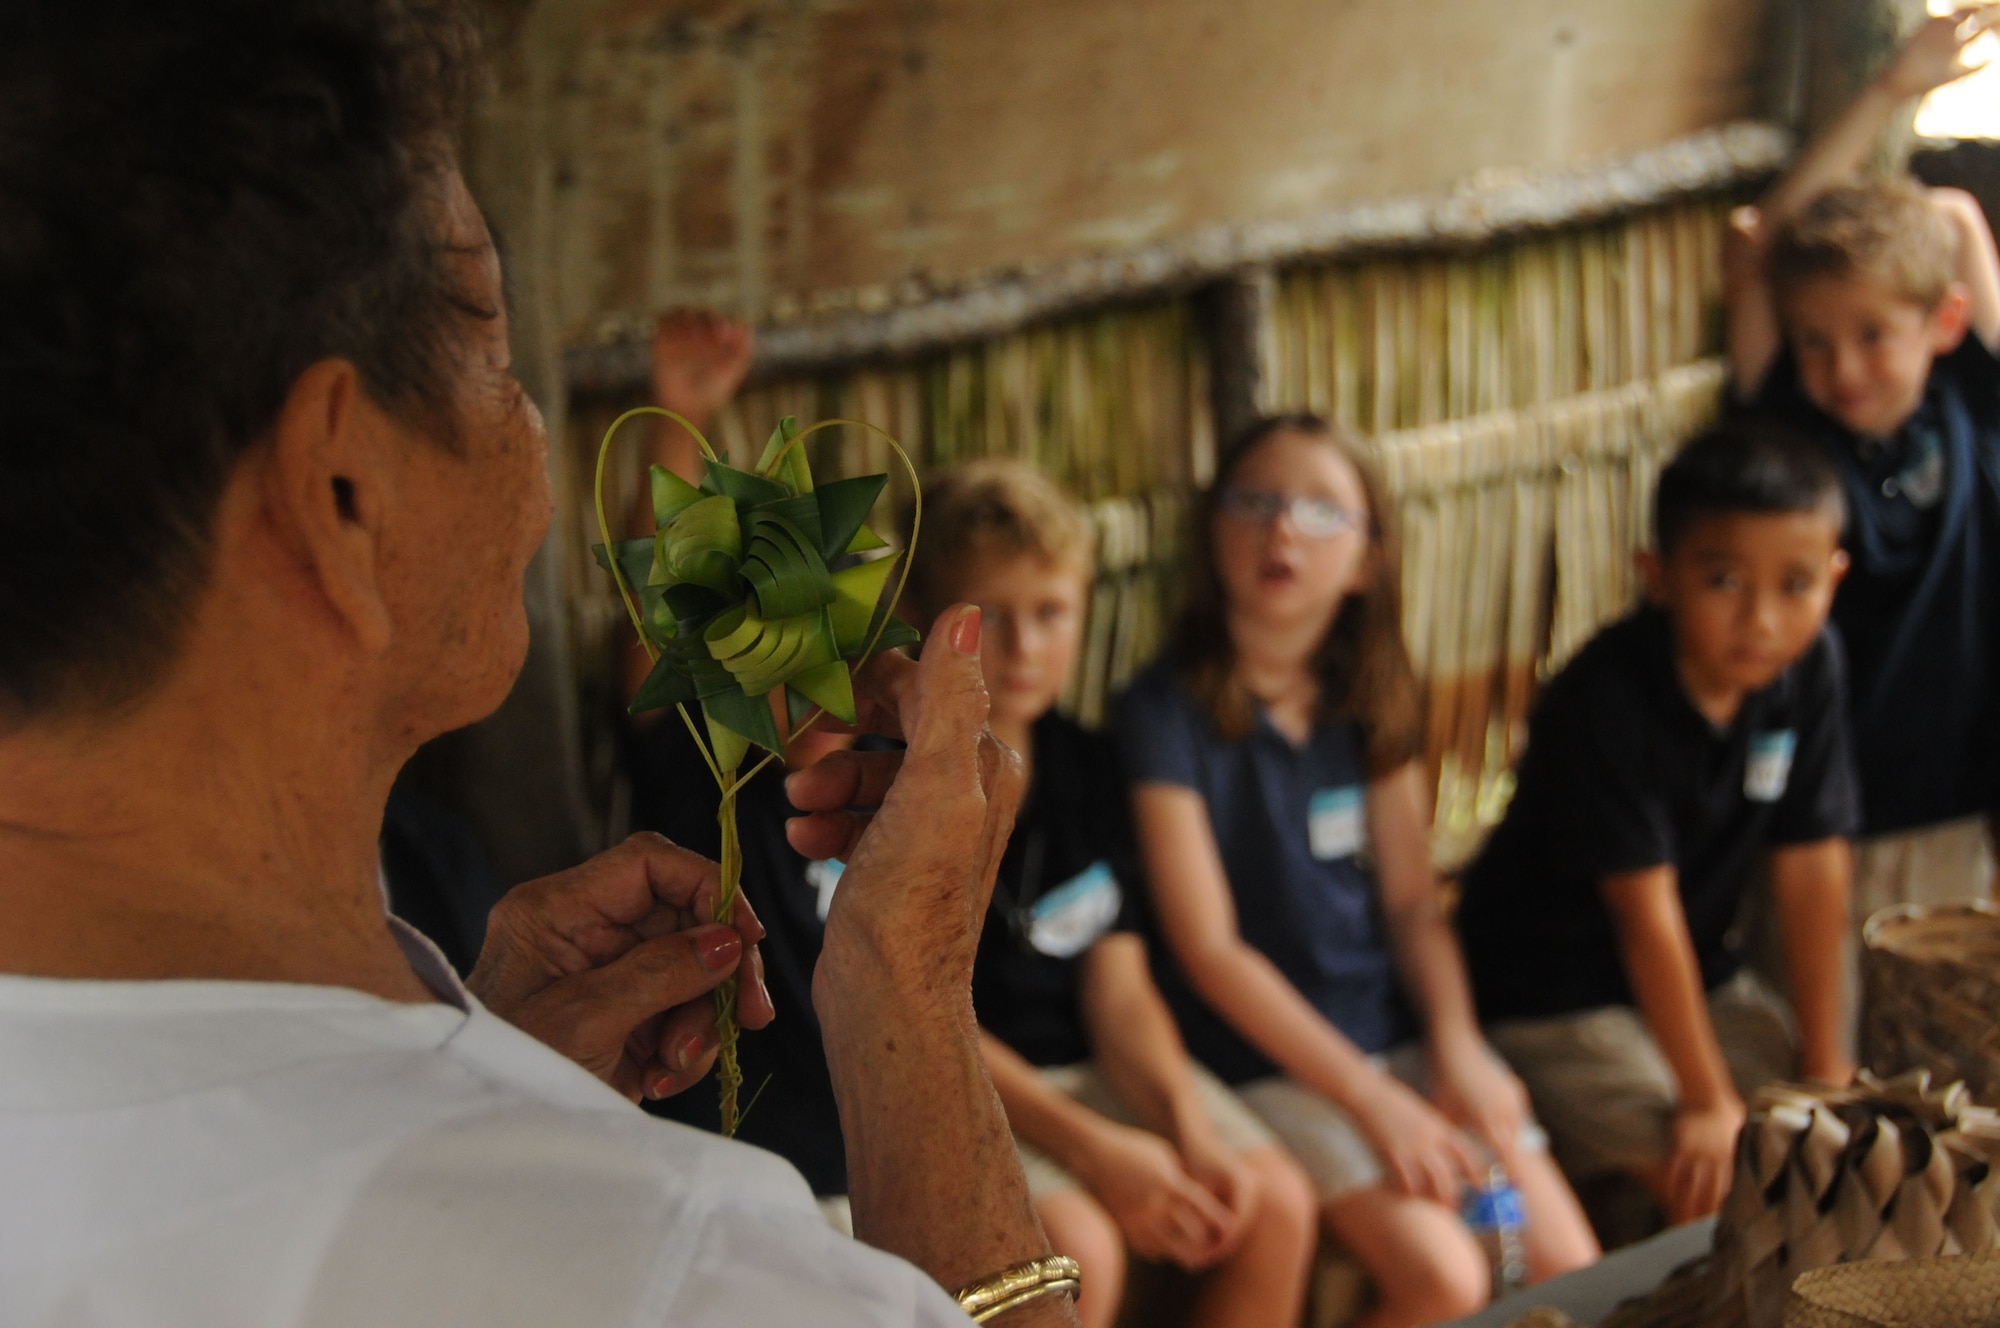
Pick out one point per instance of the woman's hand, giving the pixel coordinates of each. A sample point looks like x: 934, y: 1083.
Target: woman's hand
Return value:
x: 611, y: 963
x: 1423, y: 1155
x: 920, y: 866
x: 1164, y: 1212
x: 1472, y: 1088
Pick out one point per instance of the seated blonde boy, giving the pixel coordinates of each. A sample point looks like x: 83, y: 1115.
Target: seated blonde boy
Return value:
x: 1128, y: 1145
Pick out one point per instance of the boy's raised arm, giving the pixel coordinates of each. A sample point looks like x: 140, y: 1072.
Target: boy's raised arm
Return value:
x: 1933, y: 56
x: 1659, y: 958
x: 1809, y: 886
x: 1978, y: 267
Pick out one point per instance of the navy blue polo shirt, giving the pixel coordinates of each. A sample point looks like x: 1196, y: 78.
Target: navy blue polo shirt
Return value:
x: 1920, y: 606
x: 1067, y: 880
x: 1291, y: 824
x: 1622, y: 773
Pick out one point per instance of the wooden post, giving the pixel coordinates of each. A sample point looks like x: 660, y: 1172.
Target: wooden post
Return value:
x: 519, y: 775
x: 1238, y: 311
x: 1846, y: 43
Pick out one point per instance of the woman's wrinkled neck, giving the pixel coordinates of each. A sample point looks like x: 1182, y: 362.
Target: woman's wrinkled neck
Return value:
x: 214, y: 830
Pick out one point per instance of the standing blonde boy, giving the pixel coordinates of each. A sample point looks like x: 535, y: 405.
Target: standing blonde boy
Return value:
x: 1866, y: 313
x: 1127, y: 1144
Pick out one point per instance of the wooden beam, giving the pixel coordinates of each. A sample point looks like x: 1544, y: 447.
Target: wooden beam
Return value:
x: 879, y: 325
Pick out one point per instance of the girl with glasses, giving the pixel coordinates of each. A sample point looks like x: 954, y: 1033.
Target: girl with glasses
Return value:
x: 1282, y: 813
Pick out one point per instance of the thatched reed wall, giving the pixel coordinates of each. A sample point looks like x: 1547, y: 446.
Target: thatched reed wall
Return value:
x: 1521, y: 394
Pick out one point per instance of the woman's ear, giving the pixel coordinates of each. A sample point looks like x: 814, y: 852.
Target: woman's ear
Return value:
x: 325, y: 496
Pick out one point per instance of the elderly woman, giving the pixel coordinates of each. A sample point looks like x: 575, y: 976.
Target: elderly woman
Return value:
x: 267, y: 493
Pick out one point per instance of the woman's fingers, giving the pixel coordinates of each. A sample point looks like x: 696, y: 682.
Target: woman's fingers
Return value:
x: 681, y: 1044
x: 824, y: 835
x: 838, y: 795
x: 842, y: 780
x: 754, y: 1007
x: 686, y: 1044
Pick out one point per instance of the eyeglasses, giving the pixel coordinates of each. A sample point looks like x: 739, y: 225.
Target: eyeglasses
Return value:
x: 1314, y: 518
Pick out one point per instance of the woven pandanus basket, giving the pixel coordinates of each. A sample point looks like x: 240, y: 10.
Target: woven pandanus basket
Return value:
x: 1931, y: 977
x: 1880, y: 1172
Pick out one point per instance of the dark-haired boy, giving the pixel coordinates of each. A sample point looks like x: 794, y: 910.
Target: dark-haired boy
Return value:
x: 1680, y: 745
x: 1850, y: 304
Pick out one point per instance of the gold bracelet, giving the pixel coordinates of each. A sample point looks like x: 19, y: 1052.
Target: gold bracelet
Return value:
x: 992, y: 1296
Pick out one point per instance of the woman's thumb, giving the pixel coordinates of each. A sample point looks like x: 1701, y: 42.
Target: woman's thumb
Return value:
x: 951, y: 691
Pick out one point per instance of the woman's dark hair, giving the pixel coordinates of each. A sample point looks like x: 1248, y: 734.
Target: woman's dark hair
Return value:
x: 1755, y: 464
x: 1363, y: 664
x: 198, y: 199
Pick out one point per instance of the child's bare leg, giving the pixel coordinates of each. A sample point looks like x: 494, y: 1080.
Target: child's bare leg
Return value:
x: 1426, y: 1266
x: 1078, y: 1226
x: 1558, y: 1238
x: 1263, y: 1284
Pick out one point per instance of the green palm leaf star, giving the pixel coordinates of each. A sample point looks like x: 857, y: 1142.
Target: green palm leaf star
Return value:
x: 735, y: 599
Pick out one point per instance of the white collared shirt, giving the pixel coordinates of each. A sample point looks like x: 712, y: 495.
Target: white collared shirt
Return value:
x: 209, y: 1154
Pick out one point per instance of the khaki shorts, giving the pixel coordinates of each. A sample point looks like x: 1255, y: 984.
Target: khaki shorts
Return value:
x: 1325, y: 1139
x: 1607, y: 1095
x: 1234, y: 1125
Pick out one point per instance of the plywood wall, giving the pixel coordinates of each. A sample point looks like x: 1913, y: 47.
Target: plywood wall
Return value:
x: 792, y: 156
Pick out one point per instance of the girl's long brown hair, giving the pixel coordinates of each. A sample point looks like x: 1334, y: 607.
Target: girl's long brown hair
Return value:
x: 1362, y: 665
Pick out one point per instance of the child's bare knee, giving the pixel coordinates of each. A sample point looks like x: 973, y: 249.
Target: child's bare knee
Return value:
x: 1452, y: 1283
x: 1287, y: 1203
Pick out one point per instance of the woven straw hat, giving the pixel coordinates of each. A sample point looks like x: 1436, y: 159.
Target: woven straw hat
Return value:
x: 1957, y: 1291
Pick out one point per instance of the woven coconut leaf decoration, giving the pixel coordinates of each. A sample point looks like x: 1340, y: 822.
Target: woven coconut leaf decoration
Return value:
x: 737, y: 594
x: 736, y: 600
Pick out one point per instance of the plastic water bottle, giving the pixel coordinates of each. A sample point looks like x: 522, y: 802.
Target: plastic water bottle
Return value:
x: 1494, y: 1214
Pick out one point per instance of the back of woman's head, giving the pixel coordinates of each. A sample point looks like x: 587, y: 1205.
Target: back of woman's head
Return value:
x: 198, y: 199
x: 1362, y: 664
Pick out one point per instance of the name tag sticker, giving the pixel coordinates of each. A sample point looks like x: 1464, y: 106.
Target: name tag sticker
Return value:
x: 1068, y: 919
x: 1770, y: 765
x: 1337, y: 822
x: 824, y: 876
